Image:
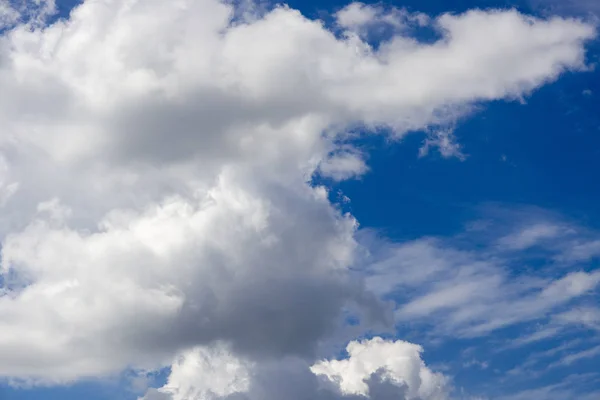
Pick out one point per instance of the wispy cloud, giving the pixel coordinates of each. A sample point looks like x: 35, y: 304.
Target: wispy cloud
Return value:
x: 463, y: 290
x: 530, y: 236
x: 580, y: 355
x: 567, y: 389
x: 578, y: 7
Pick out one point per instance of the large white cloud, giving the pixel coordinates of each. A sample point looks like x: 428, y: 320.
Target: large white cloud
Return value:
x: 154, y: 160
x: 267, y: 274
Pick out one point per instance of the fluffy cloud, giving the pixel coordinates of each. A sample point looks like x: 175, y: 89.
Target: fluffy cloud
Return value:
x: 267, y: 275
x: 399, y: 362
x: 155, y: 159
x: 32, y: 13
x: 375, y: 369
x: 343, y: 165
x: 205, y: 373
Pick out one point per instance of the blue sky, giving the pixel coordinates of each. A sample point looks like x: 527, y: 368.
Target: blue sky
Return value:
x: 486, y: 253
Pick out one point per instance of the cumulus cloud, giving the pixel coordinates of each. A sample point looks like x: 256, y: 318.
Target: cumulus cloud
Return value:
x: 8, y: 15
x: 29, y: 13
x: 204, y: 373
x: 156, y: 158
x: 267, y: 275
x: 399, y: 362
x: 375, y: 369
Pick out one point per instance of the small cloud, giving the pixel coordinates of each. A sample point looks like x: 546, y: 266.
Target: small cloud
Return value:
x: 342, y: 198
x: 360, y: 18
x: 530, y: 236
x: 343, y: 165
x: 445, y: 141
x: 473, y: 363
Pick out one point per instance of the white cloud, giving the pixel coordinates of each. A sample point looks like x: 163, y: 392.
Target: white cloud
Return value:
x: 445, y: 141
x: 7, y: 189
x: 8, y: 15
x: 530, y: 236
x: 572, y: 387
x: 580, y: 251
x: 580, y: 355
x: 360, y: 18
x: 398, y: 362
x: 546, y: 332
x: 205, y: 373
x: 231, y: 265
x: 356, y: 15
x: 32, y: 13
x: 162, y: 152
x: 457, y: 291
x: 375, y: 369
x: 586, y: 316
x: 343, y: 165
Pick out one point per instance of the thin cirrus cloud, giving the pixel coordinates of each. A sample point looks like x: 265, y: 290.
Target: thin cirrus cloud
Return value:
x: 557, y: 391
x: 155, y: 161
x: 461, y: 287
x: 525, y: 313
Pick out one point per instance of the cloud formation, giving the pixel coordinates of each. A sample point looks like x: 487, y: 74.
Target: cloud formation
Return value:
x: 155, y: 161
x: 375, y: 369
x: 463, y: 287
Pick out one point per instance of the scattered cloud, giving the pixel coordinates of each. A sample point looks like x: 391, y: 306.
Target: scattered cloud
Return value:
x: 568, y: 7
x: 574, y: 357
x: 468, y: 289
x: 565, y: 389
x: 445, y: 142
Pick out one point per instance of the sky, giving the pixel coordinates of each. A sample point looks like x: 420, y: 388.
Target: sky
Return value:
x: 208, y: 200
